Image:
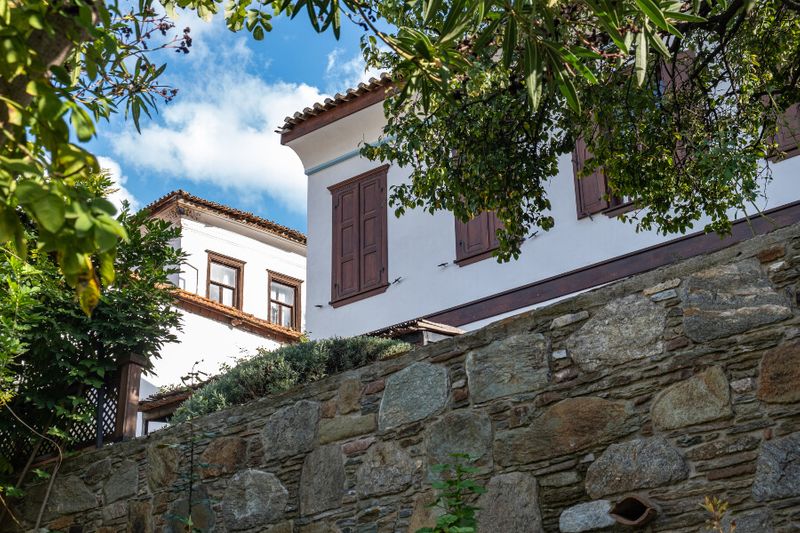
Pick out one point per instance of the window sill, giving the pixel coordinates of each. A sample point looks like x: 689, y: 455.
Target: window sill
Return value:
x: 475, y: 258
x: 359, y: 296
x: 617, y: 210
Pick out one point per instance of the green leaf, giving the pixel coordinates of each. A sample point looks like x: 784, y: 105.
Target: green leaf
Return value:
x: 106, y: 260
x: 684, y: 17
x: 640, y: 64
x: 258, y: 33
x: 509, y: 42
x: 654, y: 13
x: 49, y: 212
x: 84, y: 127
x: 430, y: 8
x: 533, y: 73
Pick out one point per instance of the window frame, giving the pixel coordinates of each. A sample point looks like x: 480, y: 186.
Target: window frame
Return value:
x: 295, y: 284
x: 230, y: 262
x: 381, y: 173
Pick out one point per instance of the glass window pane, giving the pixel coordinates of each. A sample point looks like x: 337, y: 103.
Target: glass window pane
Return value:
x: 227, y: 296
x: 213, y: 292
x: 274, y: 312
x: 286, y: 316
x: 282, y: 293
x: 223, y: 274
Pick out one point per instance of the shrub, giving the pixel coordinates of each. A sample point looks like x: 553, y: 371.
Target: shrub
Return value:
x: 268, y: 372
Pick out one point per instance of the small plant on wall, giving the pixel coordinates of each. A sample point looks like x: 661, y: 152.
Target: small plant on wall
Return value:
x: 453, y: 494
x: 717, y: 509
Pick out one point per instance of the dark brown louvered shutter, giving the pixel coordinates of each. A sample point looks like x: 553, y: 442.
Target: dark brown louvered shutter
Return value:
x: 788, y: 137
x: 590, y: 191
x: 345, y: 242
x: 472, y: 238
x: 373, y: 245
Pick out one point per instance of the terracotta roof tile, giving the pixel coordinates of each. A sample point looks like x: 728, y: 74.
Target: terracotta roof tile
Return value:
x: 237, y: 317
x: 330, y: 103
x: 228, y: 212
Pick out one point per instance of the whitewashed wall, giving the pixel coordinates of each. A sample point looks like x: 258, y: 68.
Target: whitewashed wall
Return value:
x: 211, y: 341
x: 208, y: 342
x: 418, y: 241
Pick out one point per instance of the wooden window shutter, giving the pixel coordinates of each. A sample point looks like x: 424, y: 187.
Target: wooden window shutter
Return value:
x: 345, y: 242
x: 359, y: 245
x: 788, y: 137
x: 590, y: 191
x: 478, y: 236
x: 373, y: 245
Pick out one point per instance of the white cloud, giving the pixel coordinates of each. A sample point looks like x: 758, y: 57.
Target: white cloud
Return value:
x: 342, y: 73
x: 223, y: 133
x: 120, y: 192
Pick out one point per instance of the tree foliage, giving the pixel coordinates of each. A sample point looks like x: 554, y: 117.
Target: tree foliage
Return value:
x: 58, y: 351
x: 678, y: 101
x: 491, y: 93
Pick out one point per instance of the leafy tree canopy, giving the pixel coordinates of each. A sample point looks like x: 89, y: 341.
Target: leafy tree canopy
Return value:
x: 491, y: 93
x: 51, y: 352
x: 678, y: 101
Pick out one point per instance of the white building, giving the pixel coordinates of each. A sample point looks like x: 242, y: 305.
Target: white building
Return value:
x: 368, y: 270
x: 241, y: 288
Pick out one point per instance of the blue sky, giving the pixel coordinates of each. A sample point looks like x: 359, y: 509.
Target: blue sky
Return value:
x: 216, y: 138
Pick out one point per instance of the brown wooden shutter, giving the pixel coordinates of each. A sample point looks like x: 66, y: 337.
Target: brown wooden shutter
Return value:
x: 373, y: 245
x: 477, y: 236
x: 345, y: 242
x: 359, y: 245
x: 590, y: 191
x: 788, y: 137
x: 472, y: 237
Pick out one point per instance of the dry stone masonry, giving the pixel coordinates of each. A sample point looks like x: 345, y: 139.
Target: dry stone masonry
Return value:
x: 672, y: 385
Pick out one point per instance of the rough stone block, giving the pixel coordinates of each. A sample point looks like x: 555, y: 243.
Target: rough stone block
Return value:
x: 140, y: 517
x: 623, y: 330
x: 703, y: 397
x: 291, y: 430
x: 162, y: 464
x: 508, y: 366
x: 322, y: 480
x: 566, y: 320
x: 511, y: 503
x: 661, y: 287
x: 412, y: 394
x: 344, y: 427
x: 386, y: 469
x: 223, y: 455
x: 70, y: 495
x: 778, y: 469
x: 729, y: 299
x: 465, y: 432
x: 202, y: 514
x: 349, y: 396
x: 588, y: 516
x: 636, y: 464
x: 779, y: 374
x: 254, y: 498
x: 564, y: 427
x: 123, y: 483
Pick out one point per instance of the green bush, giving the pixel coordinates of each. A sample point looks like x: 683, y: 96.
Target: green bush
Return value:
x: 269, y: 372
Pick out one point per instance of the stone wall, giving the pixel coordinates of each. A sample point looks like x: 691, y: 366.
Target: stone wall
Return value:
x: 674, y: 384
